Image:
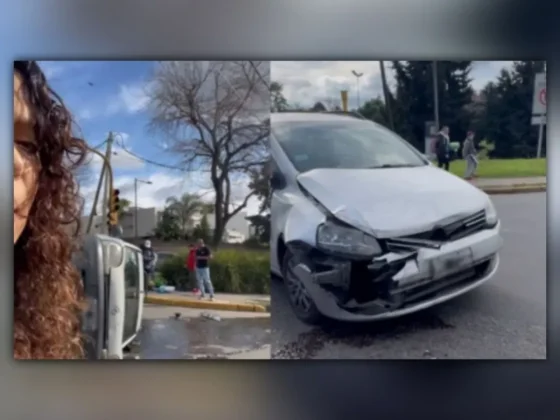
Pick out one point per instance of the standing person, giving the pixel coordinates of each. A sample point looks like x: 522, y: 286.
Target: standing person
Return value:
x: 443, y: 148
x: 149, y: 258
x: 469, y: 154
x: 190, y: 265
x: 48, y: 289
x: 203, y: 254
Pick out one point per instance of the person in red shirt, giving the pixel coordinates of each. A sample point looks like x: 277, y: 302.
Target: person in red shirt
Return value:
x: 190, y: 265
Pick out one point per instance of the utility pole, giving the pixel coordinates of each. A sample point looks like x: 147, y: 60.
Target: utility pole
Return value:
x: 386, y: 94
x: 103, y: 176
x: 136, y: 208
x: 357, y: 75
x: 108, y: 186
x: 136, y: 181
x: 436, y: 95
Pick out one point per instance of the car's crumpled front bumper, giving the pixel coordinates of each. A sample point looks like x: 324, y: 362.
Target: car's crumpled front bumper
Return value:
x: 408, y: 281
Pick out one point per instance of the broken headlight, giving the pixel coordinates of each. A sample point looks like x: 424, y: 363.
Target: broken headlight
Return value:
x: 491, y: 215
x: 346, y: 241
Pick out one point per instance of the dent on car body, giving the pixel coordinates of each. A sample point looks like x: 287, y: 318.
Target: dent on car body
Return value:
x: 390, y: 275
x: 301, y: 223
x: 399, y: 205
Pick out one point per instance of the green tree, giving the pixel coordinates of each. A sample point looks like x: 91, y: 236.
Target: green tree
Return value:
x: 260, y: 185
x: 202, y: 229
x: 261, y: 224
x: 318, y: 107
x: 184, y: 208
x: 278, y: 101
x: 455, y: 97
x: 124, y: 206
x: 168, y: 227
x: 505, y: 119
x: 414, y: 98
x: 375, y: 110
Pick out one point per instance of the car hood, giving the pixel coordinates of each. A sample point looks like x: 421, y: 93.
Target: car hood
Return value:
x: 393, y: 201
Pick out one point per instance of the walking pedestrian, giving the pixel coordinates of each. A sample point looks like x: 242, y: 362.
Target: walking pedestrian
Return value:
x: 149, y: 258
x: 443, y: 148
x: 190, y: 265
x: 469, y: 154
x: 203, y: 255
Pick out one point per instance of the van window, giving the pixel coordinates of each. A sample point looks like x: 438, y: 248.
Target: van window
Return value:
x: 132, y: 276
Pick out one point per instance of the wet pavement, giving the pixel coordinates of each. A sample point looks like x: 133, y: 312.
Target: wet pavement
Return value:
x: 193, y: 336
x: 503, y: 319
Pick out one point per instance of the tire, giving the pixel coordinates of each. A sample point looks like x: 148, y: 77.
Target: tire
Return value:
x: 301, y: 302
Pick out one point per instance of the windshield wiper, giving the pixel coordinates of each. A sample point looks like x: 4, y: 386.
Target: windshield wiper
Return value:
x: 393, y: 165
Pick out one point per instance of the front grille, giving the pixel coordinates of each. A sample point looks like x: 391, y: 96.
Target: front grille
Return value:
x: 416, y: 293
x: 456, y: 230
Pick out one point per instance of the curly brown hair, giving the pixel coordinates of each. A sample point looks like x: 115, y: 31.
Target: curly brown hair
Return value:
x: 48, y: 291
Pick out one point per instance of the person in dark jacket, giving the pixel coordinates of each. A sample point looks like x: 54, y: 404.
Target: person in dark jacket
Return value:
x: 203, y: 255
x: 443, y: 149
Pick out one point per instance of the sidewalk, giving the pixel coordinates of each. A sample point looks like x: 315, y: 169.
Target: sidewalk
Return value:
x: 221, y: 302
x: 511, y: 185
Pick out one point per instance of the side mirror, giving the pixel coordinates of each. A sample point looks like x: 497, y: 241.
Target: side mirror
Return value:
x: 277, y: 181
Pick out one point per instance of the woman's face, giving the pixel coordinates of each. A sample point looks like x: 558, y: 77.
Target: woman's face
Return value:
x: 26, y: 167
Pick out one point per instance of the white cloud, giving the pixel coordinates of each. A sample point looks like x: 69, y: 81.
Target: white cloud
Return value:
x: 84, y: 114
x: 306, y: 82
x: 51, y: 69
x: 131, y: 99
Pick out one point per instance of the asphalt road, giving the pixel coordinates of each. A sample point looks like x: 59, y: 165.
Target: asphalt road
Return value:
x: 191, y: 335
x: 503, y: 319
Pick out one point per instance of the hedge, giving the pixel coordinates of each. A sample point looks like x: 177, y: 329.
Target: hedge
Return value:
x: 231, y: 271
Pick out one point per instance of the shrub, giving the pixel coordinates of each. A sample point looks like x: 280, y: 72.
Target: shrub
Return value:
x: 231, y: 270
x: 485, y: 148
x: 255, y: 243
x: 159, y: 280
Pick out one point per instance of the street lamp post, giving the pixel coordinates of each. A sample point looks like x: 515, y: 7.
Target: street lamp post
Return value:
x: 358, y: 75
x: 136, y: 181
x: 436, y: 94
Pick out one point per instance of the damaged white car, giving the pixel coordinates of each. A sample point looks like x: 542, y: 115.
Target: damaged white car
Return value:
x: 364, y: 227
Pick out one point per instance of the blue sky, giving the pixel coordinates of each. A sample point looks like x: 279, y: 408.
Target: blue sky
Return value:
x: 112, y: 96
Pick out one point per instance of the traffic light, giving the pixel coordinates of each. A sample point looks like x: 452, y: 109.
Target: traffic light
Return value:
x: 114, y: 206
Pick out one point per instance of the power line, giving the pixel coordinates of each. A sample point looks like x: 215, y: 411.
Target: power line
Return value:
x: 149, y: 161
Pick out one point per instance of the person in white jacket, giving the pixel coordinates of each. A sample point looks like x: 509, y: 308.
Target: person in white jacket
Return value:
x: 469, y: 154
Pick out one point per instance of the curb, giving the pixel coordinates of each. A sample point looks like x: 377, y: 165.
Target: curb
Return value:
x: 262, y: 303
x: 202, y: 304
x: 515, y: 189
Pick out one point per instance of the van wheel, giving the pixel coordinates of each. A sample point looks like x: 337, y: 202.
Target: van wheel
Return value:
x: 300, y: 300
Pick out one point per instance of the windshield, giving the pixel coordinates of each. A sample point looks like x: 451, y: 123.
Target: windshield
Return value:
x: 353, y: 144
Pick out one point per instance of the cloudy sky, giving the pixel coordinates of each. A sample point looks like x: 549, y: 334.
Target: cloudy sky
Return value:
x: 111, y: 96
x: 306, y: 82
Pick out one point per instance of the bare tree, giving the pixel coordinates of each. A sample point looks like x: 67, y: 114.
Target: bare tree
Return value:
x: 216, y: 116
